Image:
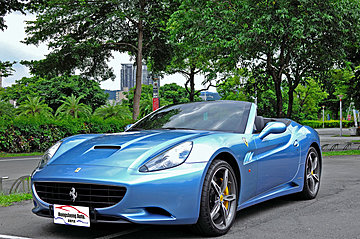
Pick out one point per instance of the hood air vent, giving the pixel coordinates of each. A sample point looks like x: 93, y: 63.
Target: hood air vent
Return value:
x: 114, y: 147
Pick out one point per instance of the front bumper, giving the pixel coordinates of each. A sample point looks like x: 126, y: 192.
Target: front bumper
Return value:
x: 169, y: 196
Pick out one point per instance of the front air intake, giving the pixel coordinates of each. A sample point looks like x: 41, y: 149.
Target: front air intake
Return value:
x: 88, y: 195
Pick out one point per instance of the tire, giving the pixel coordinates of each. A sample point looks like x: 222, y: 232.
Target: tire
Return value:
x: 312, y: 175
x: 216, y: 213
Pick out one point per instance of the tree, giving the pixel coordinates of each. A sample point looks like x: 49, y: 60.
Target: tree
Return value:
x: 34, y: 106
x: 52, y: 90
x: 6, y: 109
x: 186, y: 61
x: 245, y: 86
x: 354, y: 88
x: 186, y: 57
x: 290, y: 40
x: 7, y: 6
x: 337, y: 82
x: 6, y: 68
x: 119, y: 111
x: 84, y: 35
x: 72, y: 107
x: 175, y: 94
x: 308, y: 99
x: 146, y: 100
x: 169, y: 94
x: 146, y: 104
x: 233, y: 88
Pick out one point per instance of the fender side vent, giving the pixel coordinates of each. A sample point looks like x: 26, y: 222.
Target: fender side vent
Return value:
x: 114, y: 147
x: 293, y: 184
x: 158, y: 211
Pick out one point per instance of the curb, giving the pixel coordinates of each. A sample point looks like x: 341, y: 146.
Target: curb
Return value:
x: 21, y: 157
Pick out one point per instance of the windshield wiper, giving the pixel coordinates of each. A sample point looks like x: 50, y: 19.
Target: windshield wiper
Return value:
x: 135, y: 129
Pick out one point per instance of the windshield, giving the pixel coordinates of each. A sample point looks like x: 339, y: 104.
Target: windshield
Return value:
x: 216, y: 115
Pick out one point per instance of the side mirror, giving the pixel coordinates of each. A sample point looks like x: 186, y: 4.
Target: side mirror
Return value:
x: 128, y: 126
x: 272, y: 128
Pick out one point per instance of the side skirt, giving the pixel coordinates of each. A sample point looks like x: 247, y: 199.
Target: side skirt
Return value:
x: 282, y: 190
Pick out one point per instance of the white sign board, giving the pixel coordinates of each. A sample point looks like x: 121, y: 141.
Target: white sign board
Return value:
x: 71, y: 215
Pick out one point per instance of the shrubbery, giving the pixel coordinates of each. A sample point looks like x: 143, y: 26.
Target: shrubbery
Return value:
x: 328, y: 123
x: 34, y: 134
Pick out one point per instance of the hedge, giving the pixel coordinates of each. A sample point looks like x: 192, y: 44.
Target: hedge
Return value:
x: 328, y: 123
x: 24, y: 134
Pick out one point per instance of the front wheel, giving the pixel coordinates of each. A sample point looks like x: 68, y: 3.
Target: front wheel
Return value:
x: 218, y: 200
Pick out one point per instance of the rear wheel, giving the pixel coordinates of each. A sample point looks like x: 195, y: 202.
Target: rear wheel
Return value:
x: 312, y: 175
x: 218, y: 200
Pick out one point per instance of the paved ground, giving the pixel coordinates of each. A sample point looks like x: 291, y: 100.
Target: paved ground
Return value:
x: 15, y: 168
x: 329, y: 136
x: 333, y: 214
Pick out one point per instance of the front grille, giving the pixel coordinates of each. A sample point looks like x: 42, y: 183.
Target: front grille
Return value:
x: 88, y: 195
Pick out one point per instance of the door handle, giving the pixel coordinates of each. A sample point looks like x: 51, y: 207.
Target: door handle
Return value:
x: 296, y: 143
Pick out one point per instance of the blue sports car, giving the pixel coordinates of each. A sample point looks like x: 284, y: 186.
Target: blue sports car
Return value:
x: 195, y: 163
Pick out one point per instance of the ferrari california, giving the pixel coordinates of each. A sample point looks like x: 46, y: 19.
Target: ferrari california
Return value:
x: 196, y: 163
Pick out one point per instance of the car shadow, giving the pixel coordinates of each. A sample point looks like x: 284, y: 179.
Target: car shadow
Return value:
x: 153, y: 231
x: 186, y: 232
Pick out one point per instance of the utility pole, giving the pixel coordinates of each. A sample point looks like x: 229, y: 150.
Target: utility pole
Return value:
x: 355, y: 118
x: 323, y: 109
x: 340, y: 96
x: 156, y: 95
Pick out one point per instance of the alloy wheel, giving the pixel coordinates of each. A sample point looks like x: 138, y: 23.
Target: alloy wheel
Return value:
x: 222, y: 198
x: 313, y: 173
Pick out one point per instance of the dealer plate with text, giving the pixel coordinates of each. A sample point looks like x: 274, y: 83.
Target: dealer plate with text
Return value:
x: 71, y: 215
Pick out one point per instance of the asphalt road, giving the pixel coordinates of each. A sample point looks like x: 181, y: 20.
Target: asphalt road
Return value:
x: 15, y: 168
x: 333, y: 214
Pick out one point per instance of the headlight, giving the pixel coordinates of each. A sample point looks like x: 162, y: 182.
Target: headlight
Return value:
x: 171, y: 158
x: 49, y: 154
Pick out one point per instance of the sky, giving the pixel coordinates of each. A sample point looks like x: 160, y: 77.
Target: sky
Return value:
x: 11, y: 49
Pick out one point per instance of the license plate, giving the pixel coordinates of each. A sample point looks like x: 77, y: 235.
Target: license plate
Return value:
x: 71, y: 215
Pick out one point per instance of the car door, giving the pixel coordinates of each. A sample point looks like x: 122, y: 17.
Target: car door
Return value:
x: 278, y: 158
x: 248, y: 170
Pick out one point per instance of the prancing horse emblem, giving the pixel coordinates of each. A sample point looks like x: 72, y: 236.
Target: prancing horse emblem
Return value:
x: 73, y: 194
x: 245, y: 141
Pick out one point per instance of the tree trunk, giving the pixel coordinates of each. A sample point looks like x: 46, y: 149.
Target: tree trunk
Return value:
x: 291, y: 102
x: 292, y: 87
x: 276, y: 77
x: 137, y: 91
x: 192, y: 84
x: 279, y: 99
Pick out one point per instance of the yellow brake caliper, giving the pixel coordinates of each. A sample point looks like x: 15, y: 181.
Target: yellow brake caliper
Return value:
x: 226, y: 203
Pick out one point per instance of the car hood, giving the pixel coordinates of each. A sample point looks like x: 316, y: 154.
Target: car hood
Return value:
x: 128, y: 149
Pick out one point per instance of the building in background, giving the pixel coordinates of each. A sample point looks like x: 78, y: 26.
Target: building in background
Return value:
x: 115, y: 96
x: 146, y: 76
x: 112, y: 94
x: 208, y: 96
x: 128, y: 76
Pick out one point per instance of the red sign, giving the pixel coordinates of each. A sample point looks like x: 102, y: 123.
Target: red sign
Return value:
x: 349, y: 117
x: 155, y: 104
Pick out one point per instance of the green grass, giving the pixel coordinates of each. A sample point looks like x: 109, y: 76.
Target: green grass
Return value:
x: 9, y: 155
x: 355, y: 141
x: 345, y: 152
x: 7, y: 200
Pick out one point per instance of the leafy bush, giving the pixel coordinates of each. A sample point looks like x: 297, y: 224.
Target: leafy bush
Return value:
x: 34, y: 134
x: 328, y: 123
